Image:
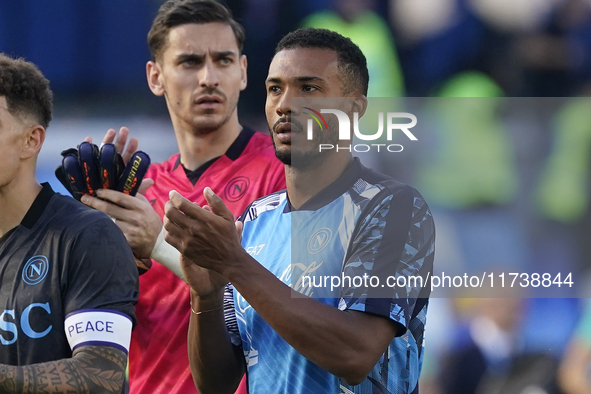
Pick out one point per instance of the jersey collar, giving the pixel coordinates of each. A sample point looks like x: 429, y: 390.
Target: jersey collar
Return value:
x: 233, y: 153
x: 38, y: 206
x: 239, y: 144
x: 332, y: 191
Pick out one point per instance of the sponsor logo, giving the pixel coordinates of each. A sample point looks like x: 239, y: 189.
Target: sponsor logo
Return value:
x: 236, y: 188
x: 254, y: 250
x: 131, y: 180
x: 35, y: 270
x: 9, y: 323
x: 294, y: 274
x: 319, y: 240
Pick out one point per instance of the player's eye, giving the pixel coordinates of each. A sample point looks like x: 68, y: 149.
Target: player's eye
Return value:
x: 309, y: 88
x: 189, y: 63
x: 225, y: 61
x: 274, y: 89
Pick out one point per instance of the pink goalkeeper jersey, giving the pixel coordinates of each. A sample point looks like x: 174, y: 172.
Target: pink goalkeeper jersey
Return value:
x: 158, y: 360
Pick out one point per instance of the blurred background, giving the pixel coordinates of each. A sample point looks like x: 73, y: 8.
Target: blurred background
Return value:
x: 505, y: 190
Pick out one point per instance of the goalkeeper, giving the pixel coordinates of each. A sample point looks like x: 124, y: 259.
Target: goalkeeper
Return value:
x: 199, y: 68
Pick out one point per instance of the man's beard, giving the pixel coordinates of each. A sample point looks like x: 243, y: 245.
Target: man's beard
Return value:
x: 301, y: 158
x: 210, y: 126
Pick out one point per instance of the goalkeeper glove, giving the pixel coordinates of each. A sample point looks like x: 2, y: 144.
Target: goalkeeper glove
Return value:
x: 88, y: 168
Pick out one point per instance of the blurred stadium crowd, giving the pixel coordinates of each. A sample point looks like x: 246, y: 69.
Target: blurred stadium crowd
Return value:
x: 508, y: 191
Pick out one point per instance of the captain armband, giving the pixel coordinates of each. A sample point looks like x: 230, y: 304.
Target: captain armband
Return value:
x: 98, y: 327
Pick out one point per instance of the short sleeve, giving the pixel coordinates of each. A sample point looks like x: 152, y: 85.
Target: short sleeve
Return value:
x: 100, y: 272
x: 230, y: 316
x: 395, y: 239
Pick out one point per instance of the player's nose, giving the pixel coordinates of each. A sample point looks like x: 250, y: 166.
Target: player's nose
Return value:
x: 208, y: 75
x: 284, y: 104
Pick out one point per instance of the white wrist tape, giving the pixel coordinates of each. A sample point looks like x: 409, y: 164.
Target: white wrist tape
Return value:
x: 167, y: 255
x: 98, y: 327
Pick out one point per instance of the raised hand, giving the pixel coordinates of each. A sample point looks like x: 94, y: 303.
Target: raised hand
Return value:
x: 120, y: 142
x: 133, y: 215
x: 206, y: 237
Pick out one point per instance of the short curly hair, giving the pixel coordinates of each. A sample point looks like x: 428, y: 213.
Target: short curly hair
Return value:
x: 351, y: 61
x: 175, y: 13
x: 26, y: 90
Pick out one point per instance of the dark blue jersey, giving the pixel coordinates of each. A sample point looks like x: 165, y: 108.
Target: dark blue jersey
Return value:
x: 63, y: 259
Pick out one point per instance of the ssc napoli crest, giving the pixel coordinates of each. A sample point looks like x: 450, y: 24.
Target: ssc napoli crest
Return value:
x: 35, y: 270
x: 319, y: 240
x: 236, y: 188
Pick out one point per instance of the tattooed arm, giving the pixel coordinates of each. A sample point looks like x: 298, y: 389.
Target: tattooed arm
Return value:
x: 92, y: 369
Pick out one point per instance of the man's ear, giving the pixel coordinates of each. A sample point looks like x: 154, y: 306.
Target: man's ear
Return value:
x: 34, y: 138
x: 359, y: 105
x: 153, y: 73
x: 243, y: 68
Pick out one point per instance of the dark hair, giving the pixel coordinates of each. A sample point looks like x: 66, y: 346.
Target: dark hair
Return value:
x: 175, y: 13
x: 351, y: 61
x: 26, y: 90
